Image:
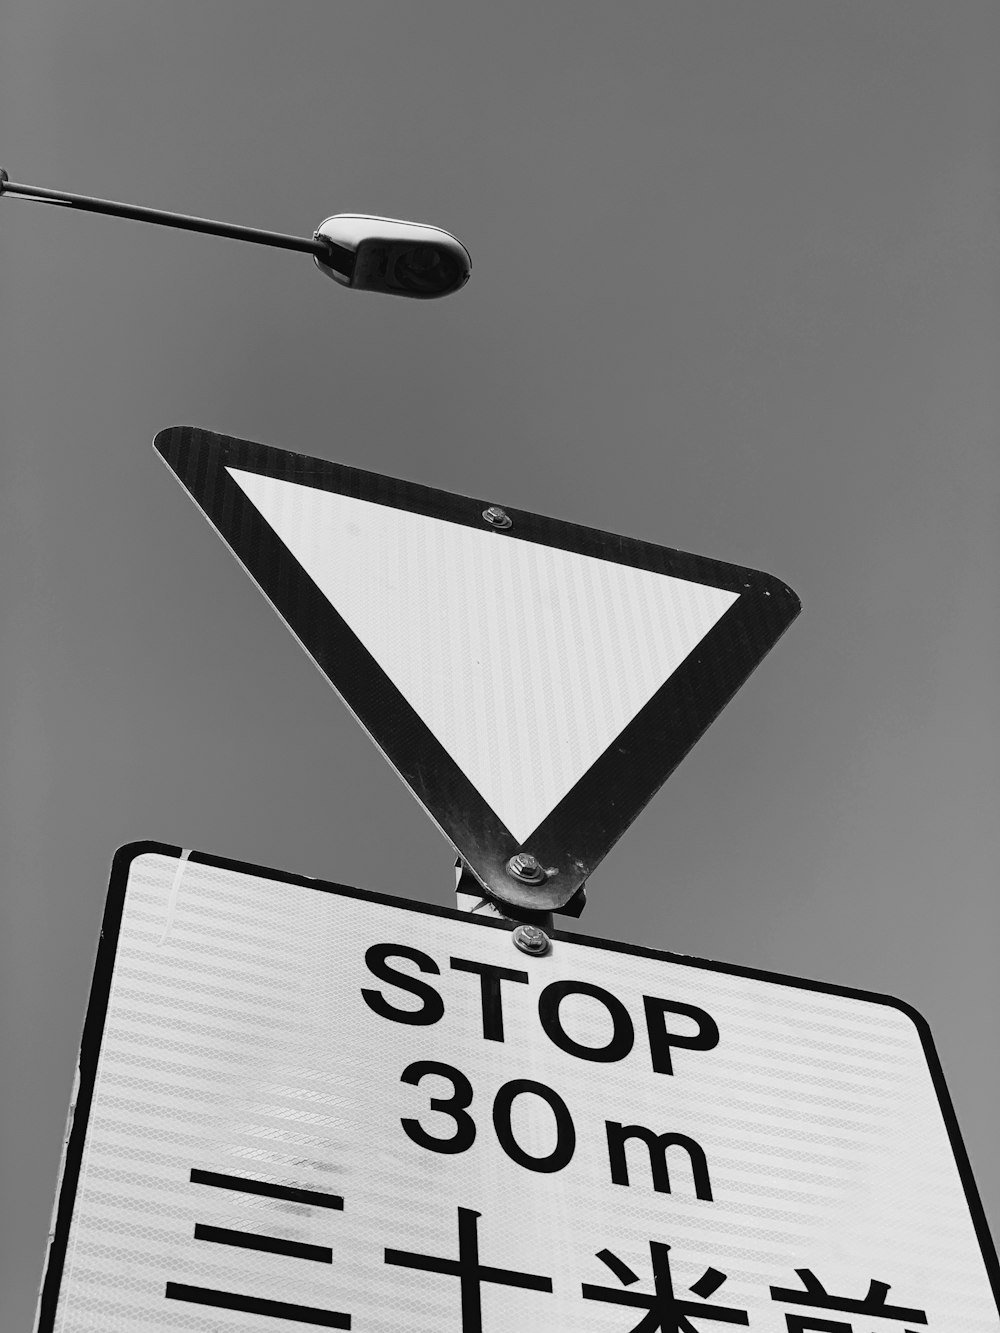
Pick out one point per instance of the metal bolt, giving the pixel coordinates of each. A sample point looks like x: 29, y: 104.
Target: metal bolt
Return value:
x: 531, y: 939
x: 527, y: 868
x: 497, y: 517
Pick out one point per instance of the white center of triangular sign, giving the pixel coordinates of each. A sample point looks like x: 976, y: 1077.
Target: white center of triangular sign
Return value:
x: 525, y: 661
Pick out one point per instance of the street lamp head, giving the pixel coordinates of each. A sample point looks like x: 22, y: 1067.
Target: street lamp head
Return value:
x: 388, y: 255
x: 368, y: 253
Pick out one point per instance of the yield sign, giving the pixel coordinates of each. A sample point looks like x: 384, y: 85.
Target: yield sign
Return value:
x: 534, y: 682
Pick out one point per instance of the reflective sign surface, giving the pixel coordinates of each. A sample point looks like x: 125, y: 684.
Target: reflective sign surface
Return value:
x: 532, y: 681
x: 307, y: 1106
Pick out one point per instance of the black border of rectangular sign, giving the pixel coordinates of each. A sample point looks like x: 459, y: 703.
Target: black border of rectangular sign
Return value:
x: 93, y: 1032
x: 594, y: 814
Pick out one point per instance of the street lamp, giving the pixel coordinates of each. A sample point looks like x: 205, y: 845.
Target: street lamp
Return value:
x: 371, y: 254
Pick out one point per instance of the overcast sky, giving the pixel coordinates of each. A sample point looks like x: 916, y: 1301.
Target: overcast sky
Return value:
x: 734, y: 291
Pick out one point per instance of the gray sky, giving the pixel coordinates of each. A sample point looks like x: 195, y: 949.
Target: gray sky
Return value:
x: 735, y: 290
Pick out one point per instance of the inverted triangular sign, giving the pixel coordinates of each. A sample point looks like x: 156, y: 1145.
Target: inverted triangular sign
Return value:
x: 534, y: 682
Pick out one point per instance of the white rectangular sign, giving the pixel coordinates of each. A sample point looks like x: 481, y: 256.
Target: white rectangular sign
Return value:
x: 307, y: 1106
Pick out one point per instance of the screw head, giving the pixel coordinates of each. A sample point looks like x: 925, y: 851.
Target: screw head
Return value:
x: 531, y: 939
x: 527, y: 868
x: 497, y: 517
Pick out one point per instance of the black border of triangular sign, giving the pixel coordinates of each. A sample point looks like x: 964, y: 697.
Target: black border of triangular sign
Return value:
x: 599, y: 808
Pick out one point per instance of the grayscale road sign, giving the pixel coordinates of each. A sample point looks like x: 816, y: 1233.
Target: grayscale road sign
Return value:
x: 534, y: 682
x: 303, y: 1105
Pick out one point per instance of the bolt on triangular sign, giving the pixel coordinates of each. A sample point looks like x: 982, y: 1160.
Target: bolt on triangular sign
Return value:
x: 534, y: 682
